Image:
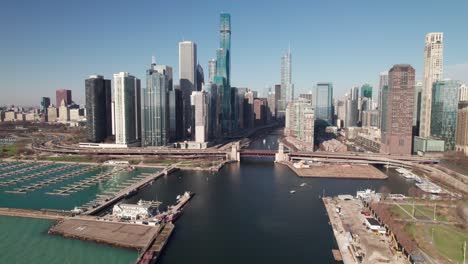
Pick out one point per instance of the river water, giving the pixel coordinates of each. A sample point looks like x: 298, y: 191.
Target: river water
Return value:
x: 244, y: 213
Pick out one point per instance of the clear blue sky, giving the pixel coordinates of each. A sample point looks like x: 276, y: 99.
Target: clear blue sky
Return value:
x: 47, y: 45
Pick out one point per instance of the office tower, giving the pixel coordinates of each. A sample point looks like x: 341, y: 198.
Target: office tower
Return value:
x: 398, y: 113
x: 156, y: 123
x: 199, y: 102
x: 417, y: 107
x: 324, y: 102
x: 211, y: 70
x: 464, y: 92
x: 188, y: 79
x: 462, y: 128
x: 444, y: 111
x: 433, y: 70
x: 213, y: 110
x: 351, y: 111
x: 52, y: 114
x: 299, y: 123
x: 366, y: 91
x: 383, y: 82
x: 126, y: 108
x: 271, y: 103
x: 98, y: 108
x: 223, y: 64
x: 45, y: 103
x: 176, y: 111
x: 64, y: 112
x: 340, y: 113
x: 200, y: 78
x: 249, y: 115
x: 260, y: 111
x: 370, y: 118
x: 63, y: 95
x: 287, y: 88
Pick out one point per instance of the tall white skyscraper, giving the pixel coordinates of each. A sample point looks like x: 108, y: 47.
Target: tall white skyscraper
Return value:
x: 199, y: 102
x: 126, y: 114
x: 433, y: 70
x: 287, y: 88
x: 188, y: 78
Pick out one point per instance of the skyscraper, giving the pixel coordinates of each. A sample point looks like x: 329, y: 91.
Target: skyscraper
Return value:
x: 464, y: 92
x: 398, y: 111
x: 199, y: 102
x: 200, y: 78
x: 366, y: 91
x: 383, y: 82
x: 126, y: 120
x: 45, y: 103
x: 211, y: 70
x: 63, y: 95
x: 462, y: 127
x: 156, y: 106
x: 287, y: 88
x: 98, y: 108
x: 433, y: 70
x: 417, y: 107
x: 444, y: 111
x: 324, y: 102
x: 223, y: 64
x: 188, y: 78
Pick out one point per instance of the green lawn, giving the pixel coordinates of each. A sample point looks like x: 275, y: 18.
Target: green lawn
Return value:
x: 8, y: 150
x: 449, y: 241
x: 420, y: 212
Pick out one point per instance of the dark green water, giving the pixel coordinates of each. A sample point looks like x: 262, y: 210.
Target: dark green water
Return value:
x: 26, y: 240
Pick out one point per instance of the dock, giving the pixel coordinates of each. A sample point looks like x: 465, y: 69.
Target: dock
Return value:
x: 118, y: 234
x: 151, y: 255
x: 339, y: 171
x: 37, y: 214
x: 357, y: 243
x: 149, y: 178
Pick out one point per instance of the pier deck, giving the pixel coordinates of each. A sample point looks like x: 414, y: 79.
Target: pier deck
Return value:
x: 38, y: 214
x: 125, y: 235
x: 343, y: 171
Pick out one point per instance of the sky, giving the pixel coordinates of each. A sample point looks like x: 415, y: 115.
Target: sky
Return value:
x: 48, y: 45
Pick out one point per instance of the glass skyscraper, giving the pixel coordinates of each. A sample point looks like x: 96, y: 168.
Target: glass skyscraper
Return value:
x: 156, y: 106
x: 444, y: 111
x: 324, y: 102
x: 366, y: 91
x: 98, y: 108
x: 223, y: 55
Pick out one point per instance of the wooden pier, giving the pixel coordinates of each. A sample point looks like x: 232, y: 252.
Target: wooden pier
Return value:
x: 38, y: 214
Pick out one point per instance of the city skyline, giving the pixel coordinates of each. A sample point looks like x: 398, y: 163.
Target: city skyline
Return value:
x: 321, y: 61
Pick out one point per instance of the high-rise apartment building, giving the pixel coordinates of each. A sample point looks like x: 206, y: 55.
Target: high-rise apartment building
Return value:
x: 433, y: 70
x: 299, y: 123
x: 464, y: 92
x: 397, y: 117
x: 98, y: 108
x: 63, y: 95
x: 444, y: 111
x: 417, y: 106
x: 287, y: 87
x: 188, y: 78
x: 324, y: 102
x: 199, y: 102
x: 156, y: 122
x: 126, y: 121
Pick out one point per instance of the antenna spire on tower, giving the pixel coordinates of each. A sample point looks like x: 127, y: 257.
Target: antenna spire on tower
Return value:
x: 153, y: 60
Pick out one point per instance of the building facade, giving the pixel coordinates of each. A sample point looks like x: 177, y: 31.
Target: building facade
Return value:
x: 199, y: 101
x: 299, y: 123
x: 126, y: 120
x: 45, y: 103
x: 63, y: 95
x: 324, y: 102
x: 187, y: 79
x: 156, y: 117
x: 433, y: 70
x: 444, y: 111
x: 383, y: 82
x: 462, y: 128
x: 397, y: 119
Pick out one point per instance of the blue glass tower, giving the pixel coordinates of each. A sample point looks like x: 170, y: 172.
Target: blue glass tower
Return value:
x: 223, y: 55
x: 324, y: 102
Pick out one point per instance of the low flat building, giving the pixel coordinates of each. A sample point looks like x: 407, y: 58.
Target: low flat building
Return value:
x: 425, y: 145
x: 141, y: 210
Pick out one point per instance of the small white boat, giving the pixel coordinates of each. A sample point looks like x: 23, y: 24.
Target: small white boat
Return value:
x: 264, y: 141
x: 292, y: 191
x: 303, y: 184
